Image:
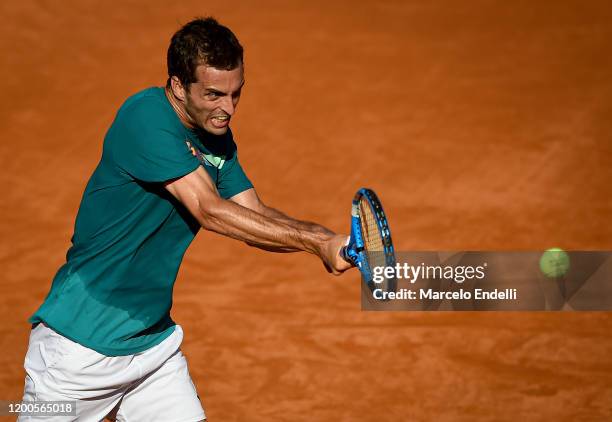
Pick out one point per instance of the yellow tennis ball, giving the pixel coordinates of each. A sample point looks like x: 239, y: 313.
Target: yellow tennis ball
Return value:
x: 554, y: 263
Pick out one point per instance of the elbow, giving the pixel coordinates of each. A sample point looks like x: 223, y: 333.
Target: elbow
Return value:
x: 209, y: 223
x: 209, y: 214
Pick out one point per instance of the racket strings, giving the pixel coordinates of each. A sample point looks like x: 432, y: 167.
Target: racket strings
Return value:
x: 372, y: 237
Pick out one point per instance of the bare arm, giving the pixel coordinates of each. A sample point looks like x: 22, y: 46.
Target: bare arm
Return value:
x: 249, y: 199
x: 198, y: 194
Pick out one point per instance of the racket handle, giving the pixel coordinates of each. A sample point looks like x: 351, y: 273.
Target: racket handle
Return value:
x: 343, y: 253
x: 345, y: 256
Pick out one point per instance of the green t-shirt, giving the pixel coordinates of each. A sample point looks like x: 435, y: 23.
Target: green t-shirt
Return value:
x: 114, y: 293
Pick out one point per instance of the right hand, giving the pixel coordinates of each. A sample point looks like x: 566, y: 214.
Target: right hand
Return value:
x: 330, y: 254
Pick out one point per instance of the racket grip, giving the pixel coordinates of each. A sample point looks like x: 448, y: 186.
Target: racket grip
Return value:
x: 345, y: 256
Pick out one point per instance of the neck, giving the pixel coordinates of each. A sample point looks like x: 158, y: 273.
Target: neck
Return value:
x: 179, y: 109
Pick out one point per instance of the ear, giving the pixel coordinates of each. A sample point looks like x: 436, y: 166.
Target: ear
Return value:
x: 177, y: 88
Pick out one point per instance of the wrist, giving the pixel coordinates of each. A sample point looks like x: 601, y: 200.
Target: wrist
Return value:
x: 321, y: 241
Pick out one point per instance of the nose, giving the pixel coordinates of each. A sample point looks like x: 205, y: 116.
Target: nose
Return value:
x: 228, y: 105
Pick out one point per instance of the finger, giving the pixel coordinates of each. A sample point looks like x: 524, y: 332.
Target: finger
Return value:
x: 327, y: 267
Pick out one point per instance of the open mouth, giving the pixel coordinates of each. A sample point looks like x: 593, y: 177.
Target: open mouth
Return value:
x: 220, y: 121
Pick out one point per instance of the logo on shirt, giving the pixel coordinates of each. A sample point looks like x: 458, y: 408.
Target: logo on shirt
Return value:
x: 209, y: 160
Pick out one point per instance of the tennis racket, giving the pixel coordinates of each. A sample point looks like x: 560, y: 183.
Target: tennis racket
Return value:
x: 370, y: 243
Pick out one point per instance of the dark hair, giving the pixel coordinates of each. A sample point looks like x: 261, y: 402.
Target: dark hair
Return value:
x: 202, y: 41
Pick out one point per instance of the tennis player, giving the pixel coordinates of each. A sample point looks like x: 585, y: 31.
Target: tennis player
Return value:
x: 103, y: 336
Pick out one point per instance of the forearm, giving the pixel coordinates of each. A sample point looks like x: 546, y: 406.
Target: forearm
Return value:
x: 271, y: 231
x: 298, y: 224
x: 279, y: 233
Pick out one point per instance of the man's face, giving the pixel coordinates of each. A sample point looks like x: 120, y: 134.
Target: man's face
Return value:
x: 211, y: 101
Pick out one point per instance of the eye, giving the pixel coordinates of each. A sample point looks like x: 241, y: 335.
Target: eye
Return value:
x: 212, y: 95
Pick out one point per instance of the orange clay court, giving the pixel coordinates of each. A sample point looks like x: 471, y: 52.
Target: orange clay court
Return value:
x: 482, y: 125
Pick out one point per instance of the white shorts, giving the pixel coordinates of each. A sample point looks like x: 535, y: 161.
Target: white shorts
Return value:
x: 153, y: 385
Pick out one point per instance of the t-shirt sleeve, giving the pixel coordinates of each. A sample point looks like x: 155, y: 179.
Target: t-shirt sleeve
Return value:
x: 232, y: 178
x: 146, y: 144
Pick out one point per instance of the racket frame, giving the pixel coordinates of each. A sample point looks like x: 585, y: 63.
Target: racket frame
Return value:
x: 355, y: 252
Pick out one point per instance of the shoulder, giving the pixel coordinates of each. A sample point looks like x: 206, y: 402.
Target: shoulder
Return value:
x: 150, y: 104
x: 144, y: 116
x: 144, y: 124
